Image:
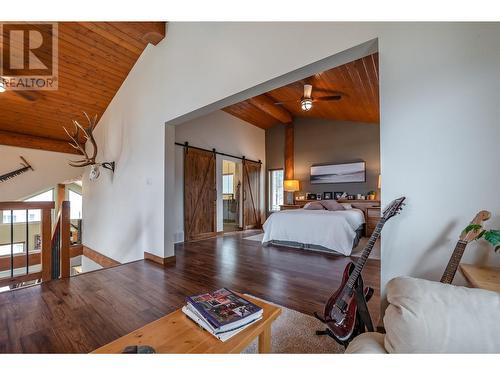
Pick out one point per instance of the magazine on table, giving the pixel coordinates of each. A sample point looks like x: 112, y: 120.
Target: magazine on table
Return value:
x: 223, y: 310
x: 223, y: 336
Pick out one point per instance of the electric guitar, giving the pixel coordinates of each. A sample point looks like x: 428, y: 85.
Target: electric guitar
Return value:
x: 465, y: 238
x: 341, y: 313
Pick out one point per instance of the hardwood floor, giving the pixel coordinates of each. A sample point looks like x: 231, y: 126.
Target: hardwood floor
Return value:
x: 80, y: 314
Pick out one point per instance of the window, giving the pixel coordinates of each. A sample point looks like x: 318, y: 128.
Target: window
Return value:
x: 227, y: 184
x: 19, y: 216
x: 275, y: 189
x: 17, y: 248
x: 75, y: 200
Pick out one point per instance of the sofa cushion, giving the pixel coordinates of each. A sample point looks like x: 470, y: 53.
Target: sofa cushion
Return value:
x: 431, y: 317
x: 367, y: 343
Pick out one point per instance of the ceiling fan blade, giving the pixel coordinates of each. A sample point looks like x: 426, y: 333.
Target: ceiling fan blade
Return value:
x: 330, y: 98
x: 287, y: 102
x: 307, y: 90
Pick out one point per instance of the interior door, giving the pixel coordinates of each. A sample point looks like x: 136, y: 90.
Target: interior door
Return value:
x: 251, y: 195
x: 200, y: 196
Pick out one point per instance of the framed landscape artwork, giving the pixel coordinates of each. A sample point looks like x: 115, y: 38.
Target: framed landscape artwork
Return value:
x: 338, y: 173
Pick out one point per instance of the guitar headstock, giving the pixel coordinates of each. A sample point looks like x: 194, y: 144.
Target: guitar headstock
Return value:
x: 393, y: 208
x: 475, y: 226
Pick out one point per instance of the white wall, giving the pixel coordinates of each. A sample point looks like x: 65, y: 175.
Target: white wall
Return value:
x: 439, y: 127
x: 50, y: 168
x: 226, y: 134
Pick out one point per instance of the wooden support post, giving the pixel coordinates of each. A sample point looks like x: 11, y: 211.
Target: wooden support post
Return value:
x: 65, y: 239
x: 289, y: 151
x: 61, y: 195
x: 46, y: 244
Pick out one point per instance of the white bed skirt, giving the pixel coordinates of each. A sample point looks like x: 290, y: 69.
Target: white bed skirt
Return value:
x: 334, y: 230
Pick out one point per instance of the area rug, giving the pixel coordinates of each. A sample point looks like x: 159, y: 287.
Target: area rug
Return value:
x: 294, y: 332
x: 356, y: 252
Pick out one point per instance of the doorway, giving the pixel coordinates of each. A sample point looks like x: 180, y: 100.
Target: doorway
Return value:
x: 231, y: 196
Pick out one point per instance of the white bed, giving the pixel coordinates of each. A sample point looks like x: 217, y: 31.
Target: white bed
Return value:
x: 317, y: 229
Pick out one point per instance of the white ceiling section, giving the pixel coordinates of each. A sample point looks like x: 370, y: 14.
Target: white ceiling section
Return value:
x: 50, y: 168
x: 439, y: 114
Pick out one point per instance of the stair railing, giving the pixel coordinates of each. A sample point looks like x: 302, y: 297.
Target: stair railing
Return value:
x: 52, y: 245
x: 44, y: 257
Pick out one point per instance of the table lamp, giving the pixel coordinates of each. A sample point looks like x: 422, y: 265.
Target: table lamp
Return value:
x: 290, y: 186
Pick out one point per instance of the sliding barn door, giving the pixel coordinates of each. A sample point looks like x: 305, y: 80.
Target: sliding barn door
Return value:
x: 251, y: 195
x: 200, y: 196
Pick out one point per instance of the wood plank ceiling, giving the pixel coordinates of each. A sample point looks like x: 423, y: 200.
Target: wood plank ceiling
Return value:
x: 94, y: 60
x: 357, y: 82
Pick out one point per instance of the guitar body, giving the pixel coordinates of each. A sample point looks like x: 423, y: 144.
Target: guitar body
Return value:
x: 344, y: 328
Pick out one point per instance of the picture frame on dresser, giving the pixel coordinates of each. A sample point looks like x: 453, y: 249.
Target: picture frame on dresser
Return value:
x: 327, y: 195
x: 338, y: 195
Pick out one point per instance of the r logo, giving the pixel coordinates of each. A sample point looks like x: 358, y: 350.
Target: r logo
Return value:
x: 29, y: 55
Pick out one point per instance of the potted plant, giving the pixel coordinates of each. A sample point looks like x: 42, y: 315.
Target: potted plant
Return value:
x: 371, y: 195
x: 490, y: 235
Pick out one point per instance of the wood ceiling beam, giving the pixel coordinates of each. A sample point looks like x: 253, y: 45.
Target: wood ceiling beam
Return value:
x: 38, y: 143
x: 266, y: 104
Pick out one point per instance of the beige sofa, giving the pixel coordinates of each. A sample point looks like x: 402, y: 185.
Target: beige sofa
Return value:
x: 430, y: 317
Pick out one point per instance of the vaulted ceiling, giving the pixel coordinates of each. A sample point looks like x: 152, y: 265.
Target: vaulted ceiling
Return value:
x: 357, y: 82
x: 94, y: 60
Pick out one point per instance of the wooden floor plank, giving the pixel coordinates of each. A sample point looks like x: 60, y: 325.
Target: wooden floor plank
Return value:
x: 82, y: 313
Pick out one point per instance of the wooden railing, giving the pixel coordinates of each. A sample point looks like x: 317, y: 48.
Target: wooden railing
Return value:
x: 54, y: 250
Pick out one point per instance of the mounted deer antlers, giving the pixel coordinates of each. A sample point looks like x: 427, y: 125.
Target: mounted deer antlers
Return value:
x: 75, y: 143
x: 87, y: 132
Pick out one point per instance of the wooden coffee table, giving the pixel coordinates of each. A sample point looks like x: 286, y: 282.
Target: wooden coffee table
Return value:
x: 176, y: 333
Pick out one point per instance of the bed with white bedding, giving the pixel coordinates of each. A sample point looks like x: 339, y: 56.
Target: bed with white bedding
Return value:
x: 333, y: 231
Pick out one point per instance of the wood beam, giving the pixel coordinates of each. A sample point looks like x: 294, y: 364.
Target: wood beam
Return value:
x: 39, y: 143
x: 61, y: 195
x: 266, y: 104
x: 289, y: 151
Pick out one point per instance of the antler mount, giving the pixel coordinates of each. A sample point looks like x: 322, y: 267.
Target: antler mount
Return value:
x: 87, y: 132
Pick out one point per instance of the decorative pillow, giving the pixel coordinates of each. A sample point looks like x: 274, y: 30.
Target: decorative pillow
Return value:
x: 313, y: 206
x: 331, y: 205
x: 347, y: 206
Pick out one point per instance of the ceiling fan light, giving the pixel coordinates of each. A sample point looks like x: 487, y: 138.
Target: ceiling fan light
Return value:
x: 306, y: 104
x: 2, y: 86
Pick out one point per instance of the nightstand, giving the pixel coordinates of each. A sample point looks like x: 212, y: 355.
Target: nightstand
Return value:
x: 289, y: 207
x: 372, y: 218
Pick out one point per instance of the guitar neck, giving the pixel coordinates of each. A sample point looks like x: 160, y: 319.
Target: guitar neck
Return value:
x: 366, y: 253
x: 453, y: 263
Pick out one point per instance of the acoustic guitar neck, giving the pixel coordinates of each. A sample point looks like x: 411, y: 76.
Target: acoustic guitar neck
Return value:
x: 465, y: 238
x: 451, y: 268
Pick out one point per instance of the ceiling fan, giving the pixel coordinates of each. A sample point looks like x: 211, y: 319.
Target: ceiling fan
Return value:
x: 28, y: 95
x: 306, y: 102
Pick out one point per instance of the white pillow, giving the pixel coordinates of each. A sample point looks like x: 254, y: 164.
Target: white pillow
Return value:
x: 347, y: 206
x: 430, y: 317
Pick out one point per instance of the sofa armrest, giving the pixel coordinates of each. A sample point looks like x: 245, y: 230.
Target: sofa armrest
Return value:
x: 367, y: 343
